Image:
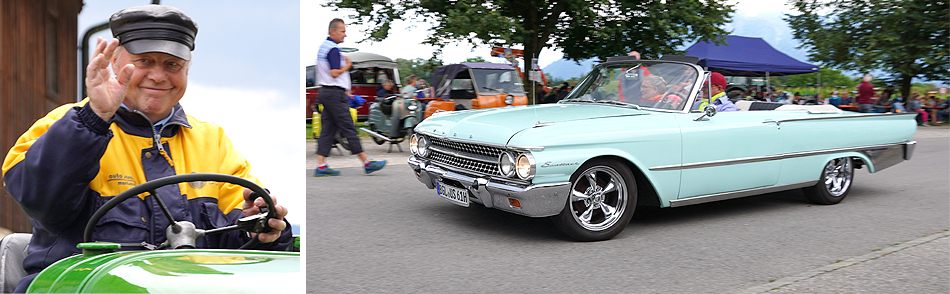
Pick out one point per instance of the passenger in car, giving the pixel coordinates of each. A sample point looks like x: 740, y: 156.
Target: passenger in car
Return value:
x: 719, y: 99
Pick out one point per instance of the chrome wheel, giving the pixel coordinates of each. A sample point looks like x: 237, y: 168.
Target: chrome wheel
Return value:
x: 834, y: 183
x: 837, y: 176
x: 598, y: 198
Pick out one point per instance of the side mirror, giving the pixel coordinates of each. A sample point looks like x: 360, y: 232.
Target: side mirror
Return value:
x: 708, y: 112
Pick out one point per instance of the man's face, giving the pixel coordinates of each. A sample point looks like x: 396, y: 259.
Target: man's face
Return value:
x: 388, y: 86
x: 649, y: 91
x: 338, y: 33
x: 716, y: 89
x: 158, y: 82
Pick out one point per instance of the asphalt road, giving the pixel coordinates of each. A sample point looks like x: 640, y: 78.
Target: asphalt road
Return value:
x: 385, y: 232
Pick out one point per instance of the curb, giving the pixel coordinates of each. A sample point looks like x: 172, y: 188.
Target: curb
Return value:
x: 843, y: 264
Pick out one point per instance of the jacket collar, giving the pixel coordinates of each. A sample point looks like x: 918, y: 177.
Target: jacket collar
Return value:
x: 136, y: 123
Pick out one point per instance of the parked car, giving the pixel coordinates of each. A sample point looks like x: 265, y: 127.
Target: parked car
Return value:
x: 476, y: 85
x: 369, y: 71
x: 104, y: 268
x: 626, y: 136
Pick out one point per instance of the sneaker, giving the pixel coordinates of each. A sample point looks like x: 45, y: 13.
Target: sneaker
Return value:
x: 374, y: 166
x: 326, y: 172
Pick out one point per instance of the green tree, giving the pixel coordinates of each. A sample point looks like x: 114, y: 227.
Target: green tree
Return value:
x: 906, y: 39
x: 475, y: 59
x: 829, y: 78
x: 422, y: 68
x: 582, y: 29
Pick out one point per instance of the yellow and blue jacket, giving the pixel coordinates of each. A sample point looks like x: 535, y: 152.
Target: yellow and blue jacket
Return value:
x: 71, y: 162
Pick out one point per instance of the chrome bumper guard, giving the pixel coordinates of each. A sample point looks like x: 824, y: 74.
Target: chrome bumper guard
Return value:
x: 536, y: 200
x: 885, y: 156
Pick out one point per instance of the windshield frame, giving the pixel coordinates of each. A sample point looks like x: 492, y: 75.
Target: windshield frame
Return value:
x: 591, y: 79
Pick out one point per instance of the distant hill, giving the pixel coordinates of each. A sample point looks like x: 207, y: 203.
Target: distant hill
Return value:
x: 565, y: 69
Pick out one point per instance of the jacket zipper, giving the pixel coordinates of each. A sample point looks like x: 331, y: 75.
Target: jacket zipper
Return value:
x: 157, y: 136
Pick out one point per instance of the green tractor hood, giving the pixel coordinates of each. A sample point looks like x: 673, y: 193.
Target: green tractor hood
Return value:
x: 174, y: 271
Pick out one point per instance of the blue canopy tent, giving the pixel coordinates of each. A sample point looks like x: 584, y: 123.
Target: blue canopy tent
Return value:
x: 747, y: 57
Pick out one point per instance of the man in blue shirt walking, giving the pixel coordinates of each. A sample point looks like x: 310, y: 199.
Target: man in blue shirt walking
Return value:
x: 332, y: 71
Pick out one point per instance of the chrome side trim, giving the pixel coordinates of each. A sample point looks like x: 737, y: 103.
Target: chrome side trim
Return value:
x: 841, y: 116
x: 738, y: 194
x: 868, y: 150
x: 524, y: 148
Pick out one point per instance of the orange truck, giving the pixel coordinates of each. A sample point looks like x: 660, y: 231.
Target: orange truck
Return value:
x: 476, y: 85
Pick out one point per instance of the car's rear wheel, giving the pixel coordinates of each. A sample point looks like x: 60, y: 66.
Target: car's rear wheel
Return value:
x: 602, y: 201
x: 834, y: 184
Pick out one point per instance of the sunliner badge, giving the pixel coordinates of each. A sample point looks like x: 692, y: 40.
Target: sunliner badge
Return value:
x: 549, y: 164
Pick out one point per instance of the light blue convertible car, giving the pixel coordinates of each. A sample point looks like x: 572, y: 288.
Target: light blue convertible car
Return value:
x: 627, y: 136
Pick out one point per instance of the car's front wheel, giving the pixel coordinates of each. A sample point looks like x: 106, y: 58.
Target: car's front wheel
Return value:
x: 834, y: 184
x: 602, y: 201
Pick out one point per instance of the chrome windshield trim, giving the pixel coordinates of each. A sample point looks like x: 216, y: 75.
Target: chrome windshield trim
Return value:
x: 773, y: 157
x: 738, y: 194
x: 693, y: 93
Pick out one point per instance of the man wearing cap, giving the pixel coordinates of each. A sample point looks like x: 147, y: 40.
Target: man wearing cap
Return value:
x: 332, y: 71
x: 719, y: 99
x: 129, y: 130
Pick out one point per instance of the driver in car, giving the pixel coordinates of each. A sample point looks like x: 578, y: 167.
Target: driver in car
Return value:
x: 653, y: 89
x: 129, y: 130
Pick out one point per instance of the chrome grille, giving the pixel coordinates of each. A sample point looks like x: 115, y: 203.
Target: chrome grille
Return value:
x: 467, y: 152
x: 482, y: 150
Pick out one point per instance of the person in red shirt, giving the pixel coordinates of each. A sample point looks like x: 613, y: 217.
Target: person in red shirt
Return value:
x: 865, y: 92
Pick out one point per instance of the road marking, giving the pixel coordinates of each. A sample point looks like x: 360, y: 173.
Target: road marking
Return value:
x: 842, y: 264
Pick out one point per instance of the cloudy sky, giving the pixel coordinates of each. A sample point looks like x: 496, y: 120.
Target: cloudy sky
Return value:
x: 405, y: 37
x: 245, y: 76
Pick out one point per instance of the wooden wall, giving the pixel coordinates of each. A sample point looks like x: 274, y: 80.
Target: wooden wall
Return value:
x: 38, y: 64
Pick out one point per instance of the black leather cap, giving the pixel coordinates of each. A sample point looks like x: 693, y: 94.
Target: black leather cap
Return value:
x: 154, y: 28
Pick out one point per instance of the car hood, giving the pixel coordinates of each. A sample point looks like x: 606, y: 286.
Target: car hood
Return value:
x: 497, y: 125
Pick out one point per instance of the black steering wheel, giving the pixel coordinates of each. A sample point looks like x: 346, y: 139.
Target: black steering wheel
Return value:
x: 183, y: 234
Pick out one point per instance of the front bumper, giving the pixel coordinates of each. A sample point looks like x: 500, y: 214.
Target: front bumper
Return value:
x: 536, y: 200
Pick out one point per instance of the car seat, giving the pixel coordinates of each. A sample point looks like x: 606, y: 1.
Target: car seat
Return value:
x: 12, y: 251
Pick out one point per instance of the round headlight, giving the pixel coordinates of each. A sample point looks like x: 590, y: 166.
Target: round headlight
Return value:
x: 525, y: 166
x: 423, y: 146
x: 506, y: 164
x: 509, y: 100
x: 414, y: 144
x: 412, y: 105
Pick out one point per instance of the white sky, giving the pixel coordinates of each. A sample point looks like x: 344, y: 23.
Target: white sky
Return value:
x: 405, y: 38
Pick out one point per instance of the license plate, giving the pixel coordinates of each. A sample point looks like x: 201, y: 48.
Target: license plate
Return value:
x: 453, y: 194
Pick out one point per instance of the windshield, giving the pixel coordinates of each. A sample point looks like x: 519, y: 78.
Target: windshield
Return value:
x: 497, y: 81
x: 646, y: 84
